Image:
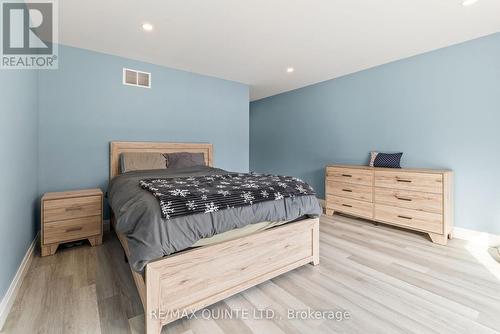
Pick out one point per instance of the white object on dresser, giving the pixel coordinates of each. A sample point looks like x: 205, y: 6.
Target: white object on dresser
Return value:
x: 417, y: 199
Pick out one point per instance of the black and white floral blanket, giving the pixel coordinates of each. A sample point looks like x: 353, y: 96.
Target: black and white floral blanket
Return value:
x: 204, y: 194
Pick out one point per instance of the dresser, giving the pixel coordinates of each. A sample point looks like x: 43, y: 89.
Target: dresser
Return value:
x: 70, y: 216
x: 417, y: 199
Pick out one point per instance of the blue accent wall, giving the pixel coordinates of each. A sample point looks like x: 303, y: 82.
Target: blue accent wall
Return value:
x: 84, y: 105
x: 56, y: 126
x: 442, y: 109
x: 18, y: 169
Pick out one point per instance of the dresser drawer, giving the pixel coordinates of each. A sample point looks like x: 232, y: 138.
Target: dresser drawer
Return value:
x: 423, y: 221
x: 73, y: 229
x: 415, y: 200
x: 431, y: 183
x: 349, y: 190
x: 350, y: 206
x: 350, y: 175
x: 70, y: 208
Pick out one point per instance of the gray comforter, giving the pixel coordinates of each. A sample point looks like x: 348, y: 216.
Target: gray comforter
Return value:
x: 150, y: 237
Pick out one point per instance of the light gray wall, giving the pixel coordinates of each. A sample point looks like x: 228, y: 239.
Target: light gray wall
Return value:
x: 18, y: 169
x: 442, y: 109
x: 84, y: 105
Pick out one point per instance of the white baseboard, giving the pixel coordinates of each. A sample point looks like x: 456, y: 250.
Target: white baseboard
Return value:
x: 486, y: 239
x: 11, y: 293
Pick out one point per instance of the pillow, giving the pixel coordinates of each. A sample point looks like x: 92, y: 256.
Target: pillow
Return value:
x: 131, y: 161
x: 184, y: 159
x: 389, y: 160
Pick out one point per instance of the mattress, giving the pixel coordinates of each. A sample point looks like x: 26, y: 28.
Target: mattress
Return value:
x: 149, y: 236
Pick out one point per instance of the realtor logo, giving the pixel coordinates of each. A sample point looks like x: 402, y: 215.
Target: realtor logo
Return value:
x: 29, y: 35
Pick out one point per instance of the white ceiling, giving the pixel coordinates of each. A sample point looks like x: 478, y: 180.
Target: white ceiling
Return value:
x: 254, y: 41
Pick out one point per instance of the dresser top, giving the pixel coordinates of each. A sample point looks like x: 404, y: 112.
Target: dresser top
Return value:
x: 72, y: 194
x: 414, y: 170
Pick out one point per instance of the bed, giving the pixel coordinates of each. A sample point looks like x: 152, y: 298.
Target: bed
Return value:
x: 190, y: 279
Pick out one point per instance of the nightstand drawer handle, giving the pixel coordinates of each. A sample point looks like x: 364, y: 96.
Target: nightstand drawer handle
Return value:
x: 349, y: 206
x: 347, y: 175
x: 347, y: 190
x: 405, y: 217
x: 404, y: 199
x: 74, y: 229
x: 406, y: 181
x: 74, y: 208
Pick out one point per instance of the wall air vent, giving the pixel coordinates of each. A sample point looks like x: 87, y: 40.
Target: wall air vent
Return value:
x: 136, y: 78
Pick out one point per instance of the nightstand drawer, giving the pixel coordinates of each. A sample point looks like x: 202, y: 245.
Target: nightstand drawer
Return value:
x: 70, y: 208
x: 73, y: 229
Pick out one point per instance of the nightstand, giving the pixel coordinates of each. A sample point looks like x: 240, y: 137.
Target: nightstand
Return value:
x: 71, y: 216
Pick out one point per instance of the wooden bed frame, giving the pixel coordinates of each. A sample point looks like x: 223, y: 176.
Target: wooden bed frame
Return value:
x: 185, y: 282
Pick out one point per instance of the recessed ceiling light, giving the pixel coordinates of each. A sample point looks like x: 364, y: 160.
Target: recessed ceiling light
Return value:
x: 466, y: 3
x: 147, y: 26
x: 290, y: 70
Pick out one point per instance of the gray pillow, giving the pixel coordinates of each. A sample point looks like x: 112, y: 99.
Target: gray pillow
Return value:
x: 184, y: 159
x: 131, y: 161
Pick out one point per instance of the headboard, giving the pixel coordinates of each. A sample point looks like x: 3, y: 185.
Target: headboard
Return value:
x: 118, y: 147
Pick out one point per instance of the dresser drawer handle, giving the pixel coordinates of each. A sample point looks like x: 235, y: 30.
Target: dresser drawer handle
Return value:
x: 347, y: 190
x: 349, y: 206
x: 405, y: 217
x: 74, y: 208
x: 404, y: 199
x: 405, y: 181
x: 347, y: 175
x: 74, y: 229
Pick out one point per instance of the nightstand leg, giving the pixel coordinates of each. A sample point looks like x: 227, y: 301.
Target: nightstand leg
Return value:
x: 49, y: 249
x: 95, y: 241
x: 329, y: 212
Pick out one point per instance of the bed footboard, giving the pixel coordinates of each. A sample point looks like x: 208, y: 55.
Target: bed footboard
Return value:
x: 186, y: 282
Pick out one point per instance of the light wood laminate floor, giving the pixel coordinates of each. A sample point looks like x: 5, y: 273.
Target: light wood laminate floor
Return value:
x: 389, y: 280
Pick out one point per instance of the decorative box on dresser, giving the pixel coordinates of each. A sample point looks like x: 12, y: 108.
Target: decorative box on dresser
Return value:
x: 417, y: 199
x: 70, y: 216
